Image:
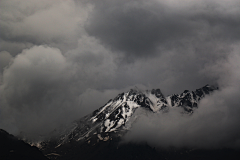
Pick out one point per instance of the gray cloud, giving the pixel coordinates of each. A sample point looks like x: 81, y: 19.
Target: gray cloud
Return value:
x: 67, y: 53
x: 56, y: 24
x: 5, y: 59
x: 44, y: 87
x: 33, y: 88
x: 138, y: 28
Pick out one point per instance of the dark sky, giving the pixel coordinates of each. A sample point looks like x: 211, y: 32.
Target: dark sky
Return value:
x: 62, y: 59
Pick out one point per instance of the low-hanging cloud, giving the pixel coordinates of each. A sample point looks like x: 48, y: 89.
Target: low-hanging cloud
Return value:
x: 215, y: 124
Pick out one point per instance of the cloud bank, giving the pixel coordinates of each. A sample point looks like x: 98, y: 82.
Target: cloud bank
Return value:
x: 60, y: 60
x: 215, y: 124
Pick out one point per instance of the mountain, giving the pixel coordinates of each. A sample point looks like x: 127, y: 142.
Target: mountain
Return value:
x: 100, y: 132
x: 11, y: 148
x: 98, y: 135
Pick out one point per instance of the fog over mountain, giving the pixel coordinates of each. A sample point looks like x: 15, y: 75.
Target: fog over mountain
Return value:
x: 60, y: 60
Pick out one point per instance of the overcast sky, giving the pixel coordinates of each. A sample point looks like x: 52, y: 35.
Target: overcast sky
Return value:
x: 61, y: 59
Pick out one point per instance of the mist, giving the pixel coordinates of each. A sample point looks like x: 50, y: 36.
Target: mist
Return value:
x: 61, y: 60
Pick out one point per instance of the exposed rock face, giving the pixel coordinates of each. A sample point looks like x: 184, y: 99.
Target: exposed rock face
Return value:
x: 189, y: 100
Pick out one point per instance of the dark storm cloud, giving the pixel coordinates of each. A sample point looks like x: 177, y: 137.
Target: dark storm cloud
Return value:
x: 139, y: 27
x: 135, y: 29
x: 71, y: 57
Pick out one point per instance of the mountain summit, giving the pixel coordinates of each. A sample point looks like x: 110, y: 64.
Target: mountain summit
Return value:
x: 111, y: 121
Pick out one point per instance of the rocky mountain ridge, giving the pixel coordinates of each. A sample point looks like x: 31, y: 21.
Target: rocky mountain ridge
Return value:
x: 115, y: 118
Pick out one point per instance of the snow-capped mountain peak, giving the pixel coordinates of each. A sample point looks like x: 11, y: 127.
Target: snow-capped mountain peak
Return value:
x: 115, y: 118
